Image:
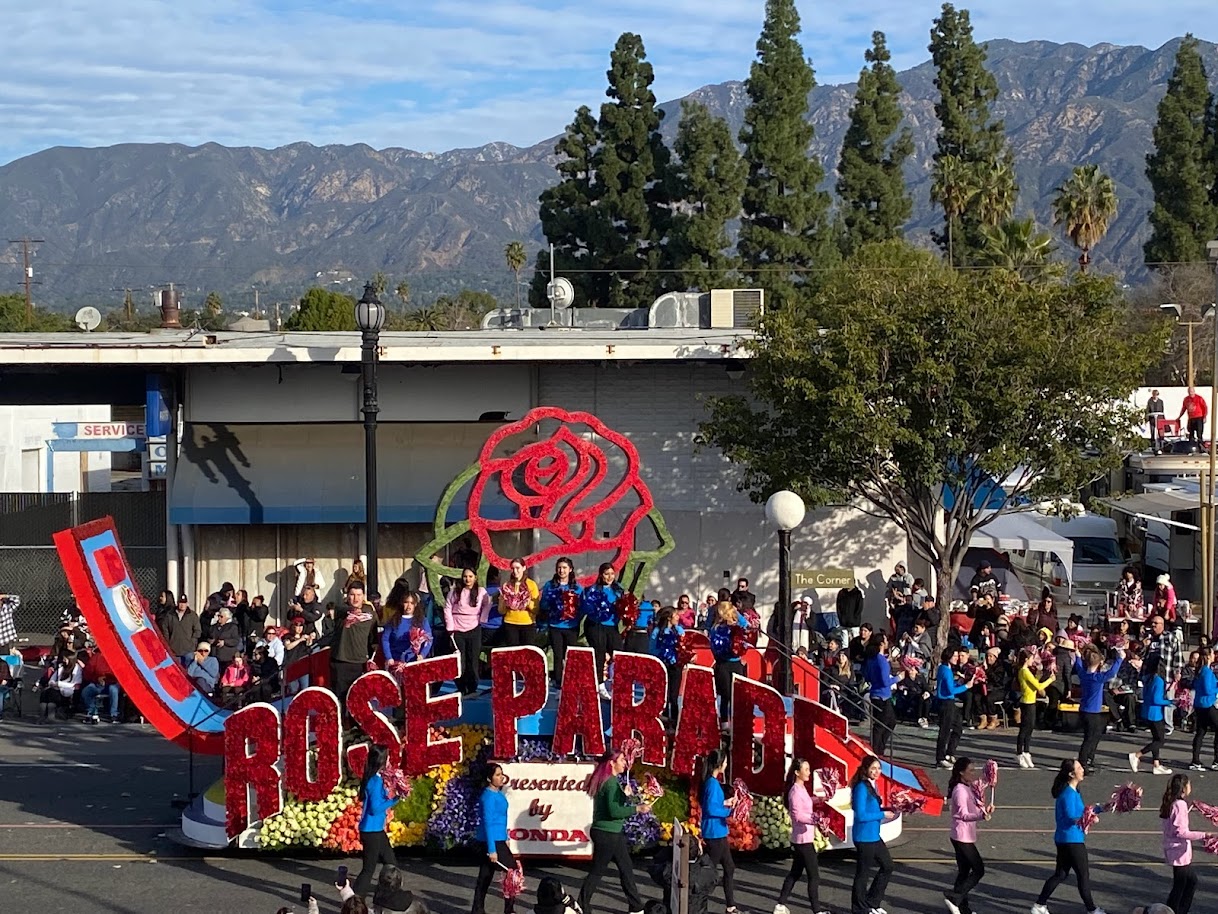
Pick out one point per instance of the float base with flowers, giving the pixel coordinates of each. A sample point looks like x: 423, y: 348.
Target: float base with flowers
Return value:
x: 291, y: 767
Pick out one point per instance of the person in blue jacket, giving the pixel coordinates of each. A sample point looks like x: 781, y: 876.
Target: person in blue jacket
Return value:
x: 1205, y: 695
x: 715, y: 811
x: 878, y: 673
x: 1154, y: 700
x: 493, y: 833
x: 665, y: 635
x: 870, y: 849
x: 947, y: 690
x: 372, y: 835
x: 598, y: 609
x: 1092, y: 680
x: 638, y: 638
x: 562, y: 623
x: 1068, y: 835
x: 407, y: 636
x: 727, y: 665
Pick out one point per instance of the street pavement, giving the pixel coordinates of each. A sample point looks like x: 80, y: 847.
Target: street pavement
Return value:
x: 85, y: 814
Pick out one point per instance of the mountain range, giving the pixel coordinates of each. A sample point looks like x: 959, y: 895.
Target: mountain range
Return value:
x: 211, y: 217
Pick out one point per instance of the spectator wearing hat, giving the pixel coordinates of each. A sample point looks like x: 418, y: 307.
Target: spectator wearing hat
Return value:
x: 181, y: 629
x: 985, y: 581
x: 204, y: 669
x: 850, y: 609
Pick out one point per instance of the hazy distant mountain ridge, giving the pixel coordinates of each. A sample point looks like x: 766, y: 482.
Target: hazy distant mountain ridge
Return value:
x: 213, y: 217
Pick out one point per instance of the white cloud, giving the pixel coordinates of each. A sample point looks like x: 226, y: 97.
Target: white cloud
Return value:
x: 432, y: 75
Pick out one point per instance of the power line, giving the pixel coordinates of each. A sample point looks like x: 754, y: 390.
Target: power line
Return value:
x: 27, y: 271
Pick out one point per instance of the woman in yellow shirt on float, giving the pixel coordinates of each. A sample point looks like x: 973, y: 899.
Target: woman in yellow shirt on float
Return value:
x: 518, y: 599
x: 1029, y: 688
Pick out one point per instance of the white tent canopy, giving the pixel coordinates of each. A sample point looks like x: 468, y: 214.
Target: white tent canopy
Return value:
x: 1018, y: 531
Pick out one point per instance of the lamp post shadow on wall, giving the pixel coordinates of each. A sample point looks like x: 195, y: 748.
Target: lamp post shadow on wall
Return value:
x: 784, y: 511
x: 370, y: 318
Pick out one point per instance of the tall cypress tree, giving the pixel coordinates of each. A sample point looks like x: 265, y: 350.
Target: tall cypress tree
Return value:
x: 871, y: 180
x: 567, y: 211
x: 634, y: 183
x: 1181, y: 169
x: 967, y: 130
x: 785, y: 229
x: 709, y: 180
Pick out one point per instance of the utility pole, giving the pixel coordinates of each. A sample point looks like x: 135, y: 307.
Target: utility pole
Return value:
x: 27, y: 271
x: 257, y: 310
x: 128, y: 303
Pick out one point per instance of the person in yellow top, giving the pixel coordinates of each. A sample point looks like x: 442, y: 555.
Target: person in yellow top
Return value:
x: 518, y: 598
x: 1029, y: 688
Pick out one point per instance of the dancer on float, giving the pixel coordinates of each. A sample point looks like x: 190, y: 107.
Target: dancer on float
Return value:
x: 869, y: 847
x: 715, y: 811
x: 611, y: 806
x: 561, y: 613
x: 803, y: 831
x: 665, y: 636
x: 1178, y: 841
x: 727, y: 665
x: 377, y: 802
x: 967, y: 810
x: 493, y: 833
x: 407, y: 636
x: 518, y: 597
x: 463, y: 613
x: 1030, y: 688
x: 1068, y: 835
x: 598, y: 608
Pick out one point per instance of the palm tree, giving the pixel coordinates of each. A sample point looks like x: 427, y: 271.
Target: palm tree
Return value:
x: 380, y: 282
x: 516, y: 259
x: 953, y: 186
x: 1019, y: 246
x: 402, y: 291
x: 1084, y: 206
x: 997, y: 192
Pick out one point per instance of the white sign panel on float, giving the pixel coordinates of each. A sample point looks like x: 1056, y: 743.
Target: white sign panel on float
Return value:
x: 549, y: 810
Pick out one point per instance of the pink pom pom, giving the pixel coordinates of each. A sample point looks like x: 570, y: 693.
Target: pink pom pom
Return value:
x: 397, y: 784
x: 989, y: 774
x: 1210, y: 843
x: 1184, y: 700
x: 905, y: 803
x: 632, y: 749
x: 911, y: 663
x: 1208, y: 811
x: 1125, y: 799
x: 1089, y: 818
x: 830, y: 781
x: 744, y: 801
x: 513, y: 882
x: 651, y: 789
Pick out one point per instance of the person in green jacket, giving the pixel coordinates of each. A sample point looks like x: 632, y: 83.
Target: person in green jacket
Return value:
x: 612, y: 804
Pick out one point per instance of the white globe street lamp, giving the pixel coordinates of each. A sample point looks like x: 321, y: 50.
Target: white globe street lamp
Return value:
x: 785, y: 511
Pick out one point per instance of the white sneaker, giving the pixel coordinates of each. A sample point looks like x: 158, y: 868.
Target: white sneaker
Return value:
x: 1039, y: 909
x: 944, y: 763
x: 781, y: 909
x: 1021, y: 759
x: 923, y: 723
x: 1098, y: 911
x: 1133, y: 762
x: 1028, y: 758
x: 1159, y: 769
x: 1196, y: 766
x: 604, y: 693
x: 951, y: 906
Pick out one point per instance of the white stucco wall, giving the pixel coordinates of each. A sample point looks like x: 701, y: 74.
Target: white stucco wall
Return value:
x: 24, y: 431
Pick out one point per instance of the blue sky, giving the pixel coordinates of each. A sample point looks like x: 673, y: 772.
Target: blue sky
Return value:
x: 431, y: 75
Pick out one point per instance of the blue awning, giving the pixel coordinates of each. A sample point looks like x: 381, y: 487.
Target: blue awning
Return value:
x: 314, y: 474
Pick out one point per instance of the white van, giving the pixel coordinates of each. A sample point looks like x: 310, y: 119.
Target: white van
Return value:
x: 1098, y: 557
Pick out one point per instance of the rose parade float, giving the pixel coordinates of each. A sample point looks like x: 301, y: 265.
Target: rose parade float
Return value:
x: 291, y: 766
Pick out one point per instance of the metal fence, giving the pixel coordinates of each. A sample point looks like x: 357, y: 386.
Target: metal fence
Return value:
x: 29, y: 564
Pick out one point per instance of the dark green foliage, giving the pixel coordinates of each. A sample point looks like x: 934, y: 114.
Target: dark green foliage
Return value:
x: 784, y: 231
x: 967, y: 130
x: 321, y: 310
x: 874, y: 203
x: 707, y: 186
x: 1181, y: 170
x: 13, y: 318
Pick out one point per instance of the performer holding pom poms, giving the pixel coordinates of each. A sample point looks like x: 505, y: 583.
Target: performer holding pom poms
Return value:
x: 800, y: 805
x: 494, y: 835
x: 560, y: 600
x: 1072, y: 817
x: 665, y: 642
x: 966, y: 789
x: 715, y: 813
x: 1178, y: 841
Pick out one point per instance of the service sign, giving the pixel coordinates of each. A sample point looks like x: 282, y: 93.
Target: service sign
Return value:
x: 549, y: 810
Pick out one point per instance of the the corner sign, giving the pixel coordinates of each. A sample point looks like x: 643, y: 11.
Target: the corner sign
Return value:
x: 822, y: 577
x: 549, y: 810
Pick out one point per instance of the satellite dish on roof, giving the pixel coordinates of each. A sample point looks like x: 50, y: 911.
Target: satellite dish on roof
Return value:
x: 561, y: 293
x: 88, y: 319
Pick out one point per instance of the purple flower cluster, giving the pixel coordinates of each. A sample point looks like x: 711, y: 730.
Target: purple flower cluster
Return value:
x: 534, y: 750
x: 460, y: 815
x: 641, y: 831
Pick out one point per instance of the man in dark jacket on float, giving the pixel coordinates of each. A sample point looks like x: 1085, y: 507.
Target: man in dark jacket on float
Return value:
x: 850, y: 609
x: 354, y: 640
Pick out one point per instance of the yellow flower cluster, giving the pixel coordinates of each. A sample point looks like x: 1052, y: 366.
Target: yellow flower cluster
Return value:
x: 407, y: 834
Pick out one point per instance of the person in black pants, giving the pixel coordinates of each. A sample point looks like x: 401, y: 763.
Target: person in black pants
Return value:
x: 611, y: 806
x: 494, y: 836
x: 1068, y: 810
x: 967, y: 810
x: 372, y: 836
x: 803, y: 833
x: 947, y: 689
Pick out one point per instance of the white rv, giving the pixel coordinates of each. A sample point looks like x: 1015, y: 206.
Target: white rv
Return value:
x: 1098, y: 558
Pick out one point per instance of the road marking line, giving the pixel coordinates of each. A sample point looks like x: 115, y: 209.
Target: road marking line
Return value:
x: 80, y: 825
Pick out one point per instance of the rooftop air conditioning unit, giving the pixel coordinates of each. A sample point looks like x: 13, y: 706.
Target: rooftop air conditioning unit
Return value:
x: 735, y: 309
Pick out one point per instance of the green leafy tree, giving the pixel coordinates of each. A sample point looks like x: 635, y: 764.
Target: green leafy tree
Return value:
x: 1181, y: 168
x: 213, y: 305
x: 516, y: 258
x: 323, y: 310
x: 967, y: 129
x: 785, y: 227
x: 709, y: 180
x: 14, y: 319
x: 953, y: 185
x: 1084, y: 206
x: 567, y: 213
x: 634, y: 185
x: 1019, y: 246
x: 464, y: 311
x: 871, y: 181
x: 908, y: 404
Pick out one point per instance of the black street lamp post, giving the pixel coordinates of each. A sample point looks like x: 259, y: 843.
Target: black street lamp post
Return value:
x: 370, y: 318
x: 785, y: 511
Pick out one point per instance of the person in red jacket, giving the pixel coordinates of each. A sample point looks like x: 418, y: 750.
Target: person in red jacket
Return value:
x: 99, y: 679
x: 1195, y: 406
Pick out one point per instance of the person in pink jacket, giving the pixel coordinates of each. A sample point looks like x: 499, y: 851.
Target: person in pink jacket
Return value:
x: 464, y: 610
x: 1178, y: 841
x: 968, y: 808
x: 803, y: 830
